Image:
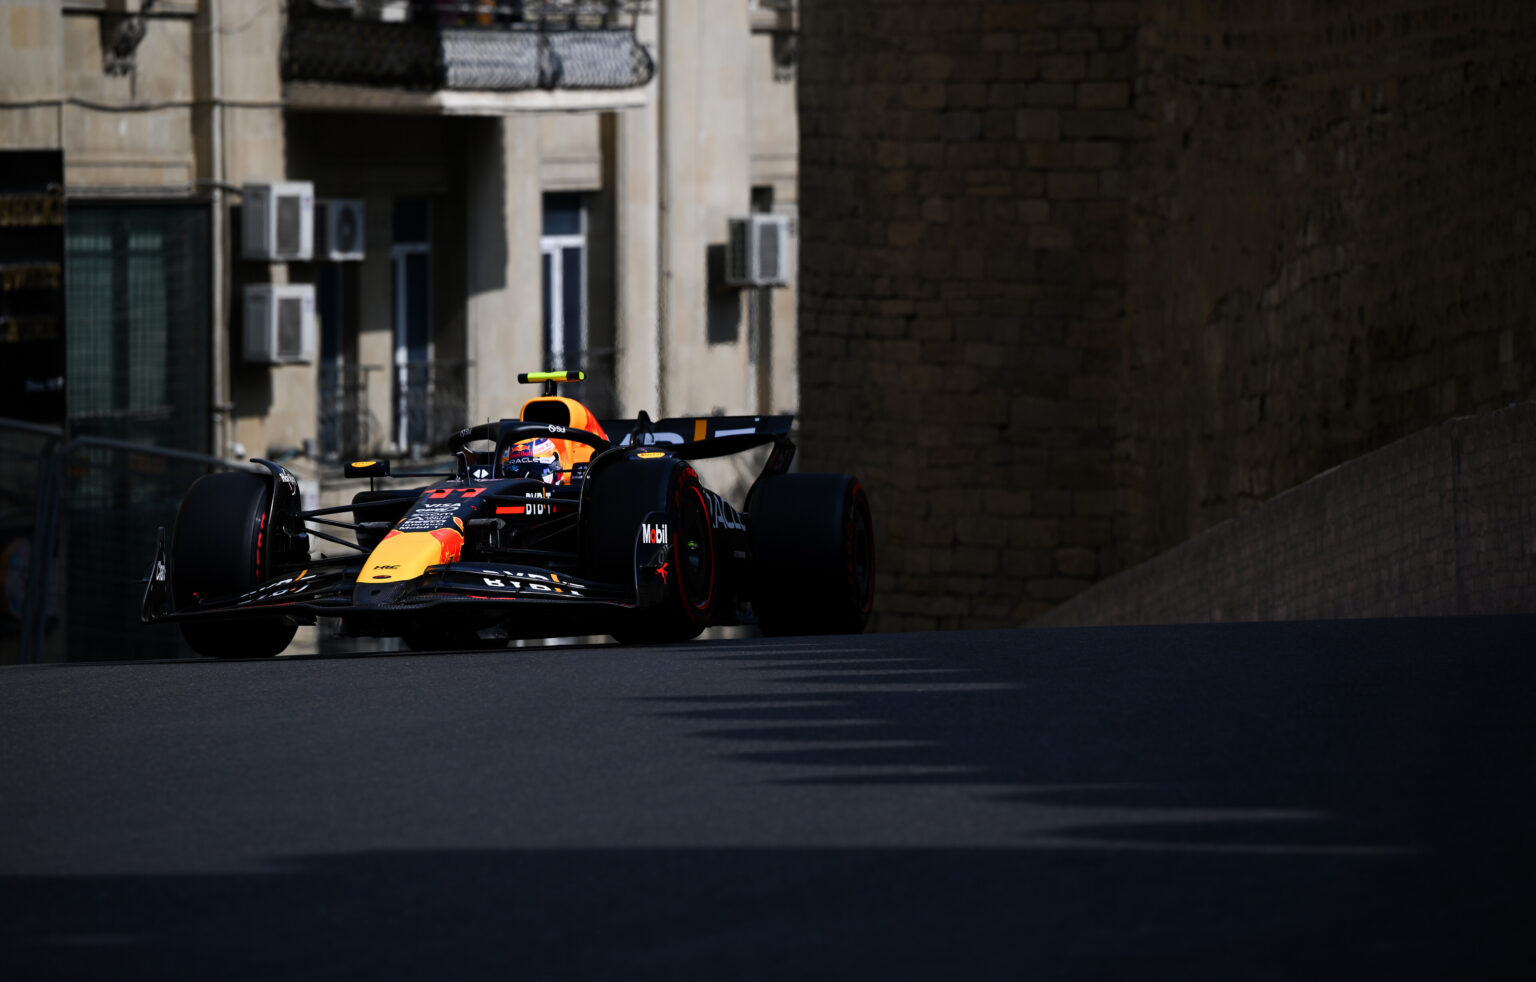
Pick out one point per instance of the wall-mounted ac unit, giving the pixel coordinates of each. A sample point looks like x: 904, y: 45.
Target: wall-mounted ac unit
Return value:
x: 758, y: 252
x: 390, y: 11
x: 279, y: 323
x: 279, y: 220
x: 341, y: 230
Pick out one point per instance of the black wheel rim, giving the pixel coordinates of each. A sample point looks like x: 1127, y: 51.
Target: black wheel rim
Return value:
x: 694, y: 552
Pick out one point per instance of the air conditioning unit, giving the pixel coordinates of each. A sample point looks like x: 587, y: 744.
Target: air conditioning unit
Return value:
x: 279, y: 221
x: 279, y: 323
x: 389, y: 11
x: 341, y: 230
x: 758, y: 252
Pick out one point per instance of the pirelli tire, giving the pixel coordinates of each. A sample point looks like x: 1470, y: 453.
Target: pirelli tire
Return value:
x: 624, y: 492
x: 218, y: 549
x: 813, y: 554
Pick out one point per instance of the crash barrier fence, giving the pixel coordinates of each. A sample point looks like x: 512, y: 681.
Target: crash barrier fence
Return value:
x: 78, y: 520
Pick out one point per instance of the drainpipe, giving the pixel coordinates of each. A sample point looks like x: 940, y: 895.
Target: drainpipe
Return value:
x: 665, y: 28
x: 218, y: 265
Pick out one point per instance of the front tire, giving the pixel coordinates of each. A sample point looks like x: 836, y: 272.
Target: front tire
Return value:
x: 219, y: 548
x: 623, y: 494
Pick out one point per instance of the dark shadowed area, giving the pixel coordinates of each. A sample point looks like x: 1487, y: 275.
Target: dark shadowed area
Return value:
x: 1081, y: 280
x: 1261, y: 800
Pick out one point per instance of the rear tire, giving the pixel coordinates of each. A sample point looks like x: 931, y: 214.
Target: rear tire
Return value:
x: 219, y: 549
x: 813, y: 554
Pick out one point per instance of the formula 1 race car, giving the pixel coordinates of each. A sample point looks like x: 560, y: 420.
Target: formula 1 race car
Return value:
x: 546, y: 527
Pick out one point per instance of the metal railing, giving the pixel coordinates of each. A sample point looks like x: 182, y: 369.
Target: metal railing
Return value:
x: 431, y: 403
x: 486, y: 45
x: 429, y: 400
x: 529, y: 14
x: 77, y: 532
x: 348, y: 427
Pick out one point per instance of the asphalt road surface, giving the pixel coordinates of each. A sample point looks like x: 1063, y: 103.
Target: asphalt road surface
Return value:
x: 1340, y: 800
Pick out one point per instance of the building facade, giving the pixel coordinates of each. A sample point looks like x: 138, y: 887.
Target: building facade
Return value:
x: 518, y: 185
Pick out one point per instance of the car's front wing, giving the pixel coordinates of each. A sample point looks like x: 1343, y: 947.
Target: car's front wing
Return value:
x: 336, y: 591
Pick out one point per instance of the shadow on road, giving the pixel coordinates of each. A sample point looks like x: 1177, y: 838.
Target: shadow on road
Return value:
x: 737, y: 914
x: 1245, y: 801
x: 1392, y: 759
x: 1392, y: 732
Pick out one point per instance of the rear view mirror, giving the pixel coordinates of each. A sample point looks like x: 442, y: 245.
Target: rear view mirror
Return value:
x: 367, y: 468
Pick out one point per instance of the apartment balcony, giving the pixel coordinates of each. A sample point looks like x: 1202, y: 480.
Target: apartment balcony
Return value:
x: 430, y: 406
x: 426, y: 404
x: 464, y: 57
x: 347, y: 427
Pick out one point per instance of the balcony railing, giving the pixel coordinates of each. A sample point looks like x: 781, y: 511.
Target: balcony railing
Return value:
x: 467, y: 45
x: 426, y: 403
x: 348, y: 428
x: 430, y: 405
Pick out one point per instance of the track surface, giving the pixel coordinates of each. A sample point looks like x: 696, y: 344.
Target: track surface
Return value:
x: 1344, y: 799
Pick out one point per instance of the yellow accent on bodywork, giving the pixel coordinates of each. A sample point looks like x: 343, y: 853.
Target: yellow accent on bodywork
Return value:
x: 700, y: 429
x: 367, y: 468
x: 406, y: 555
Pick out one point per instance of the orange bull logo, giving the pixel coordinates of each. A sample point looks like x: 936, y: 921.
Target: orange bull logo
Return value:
x: 406, y: 555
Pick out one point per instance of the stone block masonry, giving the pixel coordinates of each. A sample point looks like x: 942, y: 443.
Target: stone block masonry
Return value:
x: 1439, y: 523
x: 962, y: 267
x: 1079, y: 280
x: 1331, y: 244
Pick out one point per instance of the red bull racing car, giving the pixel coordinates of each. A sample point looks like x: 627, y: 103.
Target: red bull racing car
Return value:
x: 552, y: 524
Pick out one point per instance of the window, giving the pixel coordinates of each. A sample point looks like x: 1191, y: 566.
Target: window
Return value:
x: 564, y: 245
x: 137, y: 309
x: 411, y: 286
x: 345, y: 424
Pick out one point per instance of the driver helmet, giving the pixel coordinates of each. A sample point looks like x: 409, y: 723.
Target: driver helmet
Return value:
x: 534, y: 458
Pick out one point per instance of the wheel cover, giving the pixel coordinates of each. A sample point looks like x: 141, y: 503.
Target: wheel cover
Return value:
x: 695, y: 551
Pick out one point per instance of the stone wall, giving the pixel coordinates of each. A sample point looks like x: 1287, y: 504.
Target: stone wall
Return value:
x: 963, y: 204
x: 1439, y: 523
x: 1081, y: 279
x: 1331, y: 246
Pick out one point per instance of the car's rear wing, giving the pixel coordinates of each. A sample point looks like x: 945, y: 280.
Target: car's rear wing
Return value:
x: 702, y: 437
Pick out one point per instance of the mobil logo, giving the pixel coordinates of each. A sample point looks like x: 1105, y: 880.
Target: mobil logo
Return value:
x: 653, y: 534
